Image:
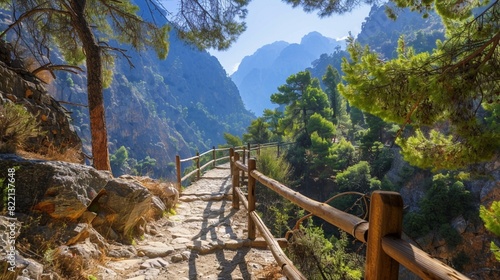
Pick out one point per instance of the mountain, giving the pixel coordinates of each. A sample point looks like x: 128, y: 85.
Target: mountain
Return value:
x: 158, y: 109
x: 259, y: 74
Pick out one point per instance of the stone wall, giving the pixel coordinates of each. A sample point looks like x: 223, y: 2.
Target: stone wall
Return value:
x: 21, y: 87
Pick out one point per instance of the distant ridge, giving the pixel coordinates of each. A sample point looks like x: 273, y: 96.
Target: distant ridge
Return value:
x: 259, y: 74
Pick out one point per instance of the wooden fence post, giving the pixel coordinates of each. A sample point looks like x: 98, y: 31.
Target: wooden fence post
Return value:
x: 251, y: 198
x: 198, y: 175
x: 214, y: 157
x: 178, y: 167
x: 231, y: 154
x: 244, y: 160
x: 244, y: 155
x: 278, y: 149
x: 249, y: 149
x: 236, y: 181
x: 386, y: 218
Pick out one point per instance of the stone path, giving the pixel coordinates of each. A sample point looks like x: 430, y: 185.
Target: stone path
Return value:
x: 205, y: 239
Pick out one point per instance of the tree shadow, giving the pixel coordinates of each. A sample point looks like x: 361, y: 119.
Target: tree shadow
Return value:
x: 210, y: 231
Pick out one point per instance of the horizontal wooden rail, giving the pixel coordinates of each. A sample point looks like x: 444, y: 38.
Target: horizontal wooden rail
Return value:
x: 283, y: 261
x: 196, y: 159
x: 417, y: 260
x: 385, y: 248
x: 188, y: 159
x: 242, y: 198
x: 356, y: 226
x: 241, y: 166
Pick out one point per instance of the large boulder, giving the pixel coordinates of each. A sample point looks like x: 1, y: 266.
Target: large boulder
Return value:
x: 60, y: 189
x: 121, y: 206
x: 77, y: 194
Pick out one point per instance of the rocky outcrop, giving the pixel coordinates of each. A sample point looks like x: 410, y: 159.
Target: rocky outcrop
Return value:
x: 471, y: 255
x: 75, y: 192
x: 21, y: 87
x: 69, y: 212
x: 61, y: 190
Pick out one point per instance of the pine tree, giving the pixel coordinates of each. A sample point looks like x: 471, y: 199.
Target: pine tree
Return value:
x: 340, y: 117
x: 455, y: 87
x: 303, y: 97
x: 491, y: 219
x: 83, y: 29
x: 258, y: 132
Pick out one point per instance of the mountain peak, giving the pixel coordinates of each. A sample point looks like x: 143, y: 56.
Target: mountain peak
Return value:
x: 311, y: 36
x: 261, y: 73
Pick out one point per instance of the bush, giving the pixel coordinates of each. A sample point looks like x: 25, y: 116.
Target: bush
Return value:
x: 451, y: 235
x: 17, y: 125
x: 275, y: 209
x: 446, y: 199
x: 319, y: 258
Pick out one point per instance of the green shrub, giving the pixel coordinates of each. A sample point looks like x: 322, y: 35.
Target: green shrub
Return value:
x: 446, y: 199
x: 491, y: 219
x: 17, y: 125
x: 319, y: 258
x: 451, y: 235
x: 276, y: 210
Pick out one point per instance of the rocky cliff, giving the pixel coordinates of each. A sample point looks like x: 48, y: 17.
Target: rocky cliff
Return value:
x: 19, y: 86
x: 158, y: 109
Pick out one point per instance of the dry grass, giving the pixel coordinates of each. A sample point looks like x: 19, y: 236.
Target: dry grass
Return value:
x: 17, y: 125
x: 70, y: 155
x: 156, y: 187
x: 270, y: 272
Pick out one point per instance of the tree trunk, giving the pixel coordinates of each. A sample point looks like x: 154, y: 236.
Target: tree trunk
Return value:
x: 92, y: 51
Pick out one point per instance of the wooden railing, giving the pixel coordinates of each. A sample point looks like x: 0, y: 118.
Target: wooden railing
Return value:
x: 385, y: 248
x: 224, y: 156
x: 382, y: 233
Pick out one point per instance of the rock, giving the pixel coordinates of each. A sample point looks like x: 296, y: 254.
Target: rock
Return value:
x: 151, y: 229
x: 180, y: 240
x: 186, y: 255
x: 106, y: 273
x: 10, y: 228
x: 173, y: 195
x: 122, y: 252
x: 51, y: 276
x: 155, y: 249
x: 29, y: 91
x: 177, y: 258
x: 147, y: 274
x: 86, y: 250
x: 158, y: 208
x: 122, y: 205
x: 125, y: 264
x: 154, y: 263
x: 31, y: 269
x: 205, y: 247
x: 62, y: 190
x: 167, y: 193
x: 459, y: 224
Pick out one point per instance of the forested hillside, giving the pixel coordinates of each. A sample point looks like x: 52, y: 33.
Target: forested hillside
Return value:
x: 342, y: 152
x: 160, y: 108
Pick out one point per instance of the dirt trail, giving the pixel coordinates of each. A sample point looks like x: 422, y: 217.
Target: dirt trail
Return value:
x: 205, y: 239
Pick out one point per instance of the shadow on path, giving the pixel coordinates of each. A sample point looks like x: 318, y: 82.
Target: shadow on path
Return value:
x: 210, y: 231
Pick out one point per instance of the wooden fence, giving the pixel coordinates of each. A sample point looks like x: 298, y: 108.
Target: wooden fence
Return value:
x: 224, y: 156
x: 381, y: 233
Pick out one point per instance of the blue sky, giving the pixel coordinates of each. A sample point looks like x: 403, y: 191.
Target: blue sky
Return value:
x: 272, y: 20
x: 269, y: 21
